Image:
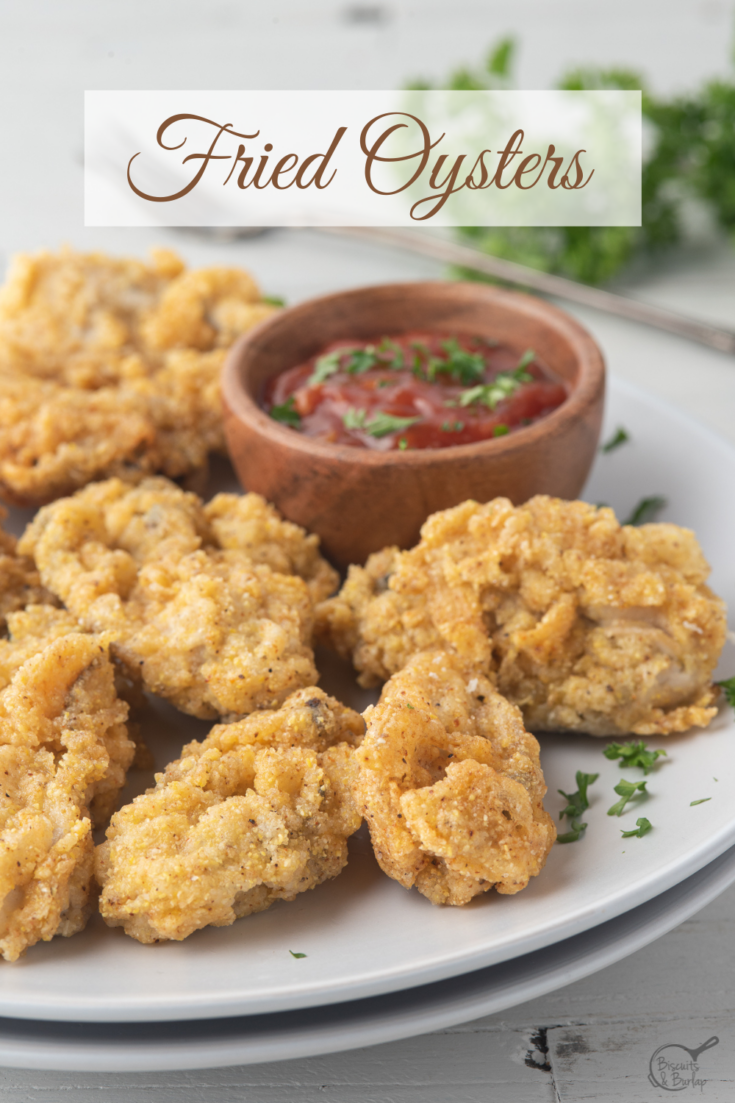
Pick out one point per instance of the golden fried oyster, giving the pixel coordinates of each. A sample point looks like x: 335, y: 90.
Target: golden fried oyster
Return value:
x: 186, y: 591
x: 450, y: 784
x: 110, y: 365
x: 259, y: 811
x: 32, y: 631
x: 29, y: 630
x: 20, y: 582
x: 63, y: 746
x: 589, y: 625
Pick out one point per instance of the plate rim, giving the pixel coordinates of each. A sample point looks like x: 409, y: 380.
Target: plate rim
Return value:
x: 389, y: 1018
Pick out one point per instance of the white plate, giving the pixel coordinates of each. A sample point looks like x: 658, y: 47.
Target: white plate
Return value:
x: 364, y: 935
x: 147, y: 1047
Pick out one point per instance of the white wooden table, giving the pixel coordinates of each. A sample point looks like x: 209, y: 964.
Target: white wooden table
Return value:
x: 591, y: 1040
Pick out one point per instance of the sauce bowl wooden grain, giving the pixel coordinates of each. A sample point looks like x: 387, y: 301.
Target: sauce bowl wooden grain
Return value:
x: 358, y: 500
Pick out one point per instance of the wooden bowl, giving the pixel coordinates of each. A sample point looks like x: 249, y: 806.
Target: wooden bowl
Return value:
x: 359, y: 500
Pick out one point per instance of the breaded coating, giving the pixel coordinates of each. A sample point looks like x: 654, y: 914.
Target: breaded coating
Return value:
x: 61, y: 724
x: 200, y: 616
x: 259, y: 811
x: 246, y: 522
x: 110, y: 366
x: 588, y: 625
x: 31, y: 631
x: 20, y: 582
x: 450, y: 784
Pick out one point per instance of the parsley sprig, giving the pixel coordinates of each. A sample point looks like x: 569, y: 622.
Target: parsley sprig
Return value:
x: 381, y: 425
x: 503, y: 385
x: 643, y: 826
x: 287, y: 413
x: 461, y: 366
x: 626, y: 790
x: 633, y: 754
x: 577, y: 803
x: 646, y: 510
x: 358, y: 361
x: 728, y: 687
x: 620, y: 436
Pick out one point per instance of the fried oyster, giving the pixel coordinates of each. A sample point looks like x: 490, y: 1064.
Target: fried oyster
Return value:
x: 187, y: 591
x: 20, y: 582
x: 63, y: 750
x: 259, y: 811
x: 111, y: 365
x: 450, y: 784
x: 588, y: 625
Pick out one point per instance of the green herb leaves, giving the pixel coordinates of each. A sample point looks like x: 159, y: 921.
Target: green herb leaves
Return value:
x: 620, y: 436
x: 381, y: 425
x: 503, y: 385
x: 323, y: 368
x: 728, y: 686
x: 703, y: 800
x: 643, y: 826
x: 296, y: 955
x: 287, y: 413
x: 646, y: 510
x: 577, y: 803
x: 626, y: 790
x: 633, y: 754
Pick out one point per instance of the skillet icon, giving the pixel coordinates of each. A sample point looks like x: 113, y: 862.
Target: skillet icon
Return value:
x: 670, y: 1069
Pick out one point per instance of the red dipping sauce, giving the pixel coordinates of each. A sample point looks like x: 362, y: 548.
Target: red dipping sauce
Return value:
x: 417, y: 390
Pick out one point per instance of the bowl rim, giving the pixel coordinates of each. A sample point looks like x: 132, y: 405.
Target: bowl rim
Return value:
x: 242, y: 403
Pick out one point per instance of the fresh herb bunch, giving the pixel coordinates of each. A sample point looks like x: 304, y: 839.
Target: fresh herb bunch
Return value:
x: 693, y: 158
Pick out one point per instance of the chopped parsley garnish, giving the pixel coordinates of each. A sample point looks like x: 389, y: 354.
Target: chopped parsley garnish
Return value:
x: 362, y: 360
x: 402, y: 444
x: 501, y: 431
x: 575, y: 832
x: 354, y: 419
x: 728, y: 685
x: 643, y: 826
x: 380, y: 425
x: 528, y: 358
x: 633, y: 754
x: 274, y: 300
x: 626, y: 790
x: 452, y: 426
x: 386, y: 345
x: 296, y: 955
x: 646, y: 510
x: 577, y: 803
x: 324, y: 367
x: 463, y: 367
x: 287, y: 413
x: 620, y: 436
x: 702, y: 801
x: 503, y: 386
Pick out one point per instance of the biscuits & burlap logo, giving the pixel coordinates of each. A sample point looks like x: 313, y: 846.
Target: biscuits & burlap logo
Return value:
x: 675, y: 1067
